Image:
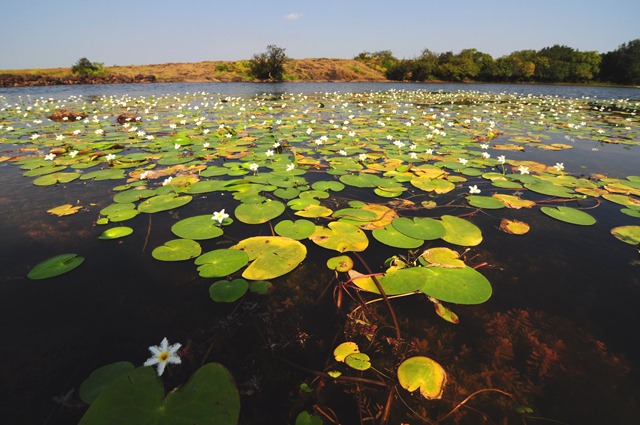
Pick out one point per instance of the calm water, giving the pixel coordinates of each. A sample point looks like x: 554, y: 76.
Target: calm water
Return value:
x: 562, y: 321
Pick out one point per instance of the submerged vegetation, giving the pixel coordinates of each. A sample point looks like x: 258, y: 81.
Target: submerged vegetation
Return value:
x: 373, y: 201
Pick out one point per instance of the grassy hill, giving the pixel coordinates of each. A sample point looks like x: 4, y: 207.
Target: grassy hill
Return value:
x: 321, y: 69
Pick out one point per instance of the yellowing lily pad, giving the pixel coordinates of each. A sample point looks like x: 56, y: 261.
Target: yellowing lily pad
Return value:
x: 459, y: 231
x: 422, y: 373
x: 345, y: 349
x: 513, y: 201
x: 341, y: 237
x: 514, y: 227
x: 66, y: 209
x: 443, y: 257
x: 270, y: 256
x: 627, y: 234
x: 341, y: 263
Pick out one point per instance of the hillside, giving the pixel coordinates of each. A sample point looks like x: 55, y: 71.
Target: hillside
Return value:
x: 321, y: 69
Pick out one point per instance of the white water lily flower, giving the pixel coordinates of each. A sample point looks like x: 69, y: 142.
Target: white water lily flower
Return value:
x: 362, y: 156
x: 559, y: 166
x: 167, y: 181
x: 110, y: 157
x: 342, y: 152
x: 474, y: 189
x: 219, y: 216
x: 76, y: 132
x: 99, y: 131
x: 35, y: 136
x: 486, y: 155
x: 484, y: 146
x: 523, y: 169
x: 463, y: 161
x: 269, y: 153
x: 59, y: 137
x: 206, y: 145
x: 429, y: 151
x: 50, y: 157
x: 73, y: 154
x: 144, y: 175
x: 502, y: 159
x: 413, y: 155
x: 177, y: 146
x: 253, y: 167
x: 291, y: 167
x: 163, y: 354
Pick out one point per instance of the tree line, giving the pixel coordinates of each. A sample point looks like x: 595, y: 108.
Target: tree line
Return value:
x: 555, y: 64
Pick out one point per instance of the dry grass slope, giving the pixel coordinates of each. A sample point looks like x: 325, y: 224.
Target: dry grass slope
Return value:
x: 313, y: 69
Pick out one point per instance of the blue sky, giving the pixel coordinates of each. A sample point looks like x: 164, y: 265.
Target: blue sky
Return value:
x: 49, y: 34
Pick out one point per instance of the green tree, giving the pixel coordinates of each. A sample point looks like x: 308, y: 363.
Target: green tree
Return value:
x: 85, y: 67
x: 622, y: 66
x: 269, y: 65
x: 424, y: 67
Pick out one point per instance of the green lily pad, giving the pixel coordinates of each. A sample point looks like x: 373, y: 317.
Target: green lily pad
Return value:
x: 422, y: 373
x: 486, y: 202
x: 358, y: 361
x: 221, y: 262
x: 270, y: 256
x: 459, y: 231
x: 304, y: 418
x: 106, y: 174
x: 390, y: 236
x: 569, y: 215
x: 259, y: 213
x: 341, y: 263
x: 165, y: 202
x: 100, y: 379
x: 361, y: 180
x: 433, y: 185
x: 325, y: 185
x: 177, y: 250
x: 298, y: 230
x: 210, y: 397
x: 51, y: 179
x: 354, y: 215
x: 55, y: 266
x: 260, y: 287
x: 627, y: 234
x: 550, y: 189
x: 116, y: 232
x: 419, y: 227
x: 197, y: 228
x: 341, y: 237
x: 133, y: 195
x: 228, y: 291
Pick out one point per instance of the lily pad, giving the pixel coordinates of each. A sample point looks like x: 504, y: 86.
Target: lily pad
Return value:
x: 298, y: 230
x: 228, y: 291
x: 259, y: 213
x: 66, y: 209
x: 177, y: 250
x: 486, y: 202
x: 345, y: 349
x: 358, y: 361
x: 419, y: 227
x: 55, y: 266
x: 390, y: 236
x: 627, y: 234
x: 341, y: 263
x: 422, y: 373
x: 198, y: 228
x: 514, y: 227
x: 210, y: 397
x: 459, y: 231
x: 341, y: 237
x: 270, y: 256
x: 165, y: 202
x: 443, y: 257
x: 51, y: 179
x: 100, y: 378
x: 116, y: 232
x: 569, y: 215
x: 221, y: 262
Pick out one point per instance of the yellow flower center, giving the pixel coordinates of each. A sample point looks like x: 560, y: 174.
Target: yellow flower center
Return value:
x: 163, y: 356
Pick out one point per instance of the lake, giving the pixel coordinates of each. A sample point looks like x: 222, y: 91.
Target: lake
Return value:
x: 537, y: 327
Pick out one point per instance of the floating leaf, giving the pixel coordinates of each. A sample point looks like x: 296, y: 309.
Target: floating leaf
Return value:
x: 165, y: 202
x: 459, y: 231
x: 299, y: 229
x: 210, y: 397
x: 51, y: 179
x: 221, y: 262
x: 55, y: 266
x: 569, y: 215
x: 305, y: 418
x: 341, y: 263
x: 486, y: 202
x: 392, y: 237
x: 177, y: 250
x: 101, y: 378
x: 433, y: 185
x: 345, y: 349
x: 419, y: 227
x: 198, y: 228
x: 260, y: 287
x: 228, y: 291
x: 444, y: 312
x: 627, y: 234
x: 116, y: 232
x: 66, y: 209
x: 259, y: 213
x: 358, y: 361
x: 443, y: 257
x: 341, y: 237
x: 514, y: 227
x: 271, y: 256
x: 513, y: 201
x: 422, y: 373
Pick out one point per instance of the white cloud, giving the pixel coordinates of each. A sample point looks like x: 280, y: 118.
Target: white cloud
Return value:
x: 293, y: 16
